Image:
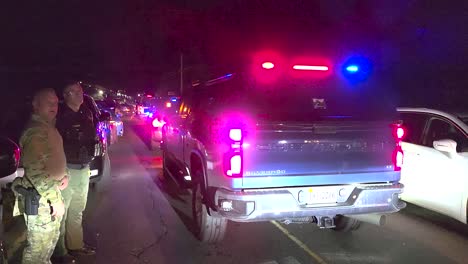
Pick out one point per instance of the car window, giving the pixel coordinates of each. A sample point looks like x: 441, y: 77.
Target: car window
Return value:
x: 414, y: 124
x: 440, y: 129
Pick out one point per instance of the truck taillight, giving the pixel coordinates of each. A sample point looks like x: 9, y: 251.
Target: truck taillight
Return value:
x: 398, y: 131
x: 235, y: 167
x: 235, y: 134
x: 397, y: 158
x: 233, y: 158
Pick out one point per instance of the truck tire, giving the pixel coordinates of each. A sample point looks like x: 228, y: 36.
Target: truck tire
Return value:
x: 207, y: 228
x: 346, y: 224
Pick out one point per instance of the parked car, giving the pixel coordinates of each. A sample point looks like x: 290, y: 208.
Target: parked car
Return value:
x: 108, y: 105
x: 117, y: 125
x: 126, y: 109
x: 311, y: 149
x: 165, y: 111
x: 435, y: 170
x: 115, y: 128
x: 100, y: 165
x: 9, y: 161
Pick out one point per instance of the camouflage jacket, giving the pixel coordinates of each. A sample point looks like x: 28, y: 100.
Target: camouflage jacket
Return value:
x: 44, y: 163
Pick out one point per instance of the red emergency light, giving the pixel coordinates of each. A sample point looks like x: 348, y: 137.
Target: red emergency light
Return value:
x: 310, y: 67
x: 268, y: 65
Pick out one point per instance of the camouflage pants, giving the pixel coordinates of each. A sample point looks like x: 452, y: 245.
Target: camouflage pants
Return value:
x: 75, y: 197
x: 42, y: 236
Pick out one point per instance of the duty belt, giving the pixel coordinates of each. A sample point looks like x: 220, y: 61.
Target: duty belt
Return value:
x: 77, y: 166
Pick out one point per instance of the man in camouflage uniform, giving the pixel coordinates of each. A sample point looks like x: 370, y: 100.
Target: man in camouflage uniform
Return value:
x: 43, y: 159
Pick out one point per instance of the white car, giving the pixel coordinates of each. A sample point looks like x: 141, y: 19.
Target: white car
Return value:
x: 435, y: 166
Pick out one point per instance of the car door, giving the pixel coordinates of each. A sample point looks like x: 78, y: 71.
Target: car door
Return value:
x: 444, y: 171
x: 412, y: 175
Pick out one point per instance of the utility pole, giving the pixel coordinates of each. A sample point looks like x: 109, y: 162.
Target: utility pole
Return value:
x: 181, y: 73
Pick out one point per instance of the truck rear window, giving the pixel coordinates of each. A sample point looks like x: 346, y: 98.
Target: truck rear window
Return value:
x: 299, y: 100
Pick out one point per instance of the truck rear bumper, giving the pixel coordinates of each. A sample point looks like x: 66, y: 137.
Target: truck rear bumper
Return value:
x: 287, y: 203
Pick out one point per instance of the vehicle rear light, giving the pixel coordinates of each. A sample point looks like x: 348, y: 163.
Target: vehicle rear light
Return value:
x: 17, y: 156
x: 158, y: 123
x: 268, y: 65
x: 399, y: 132
x: 168, y: 104
x: 310, y: 68
x: 233, y: 157
x: 398, y: 158
x: 235, y: 166
x: 235, y: 134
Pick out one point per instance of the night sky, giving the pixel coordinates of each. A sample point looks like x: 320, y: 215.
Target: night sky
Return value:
x: 417, y: 46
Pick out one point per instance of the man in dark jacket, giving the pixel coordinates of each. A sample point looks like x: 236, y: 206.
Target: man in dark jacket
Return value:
x: 75, y: 124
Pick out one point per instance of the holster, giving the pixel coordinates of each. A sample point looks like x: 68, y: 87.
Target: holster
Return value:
x: 31, y: 199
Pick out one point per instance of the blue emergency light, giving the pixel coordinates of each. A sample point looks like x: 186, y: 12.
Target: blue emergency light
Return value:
x: 352, y: 68
x: 357, y: 69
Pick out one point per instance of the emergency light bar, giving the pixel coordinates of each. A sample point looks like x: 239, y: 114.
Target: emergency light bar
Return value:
x: 310, y: 68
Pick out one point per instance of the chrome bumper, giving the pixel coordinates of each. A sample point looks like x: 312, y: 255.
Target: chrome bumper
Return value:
x: 282, y: 203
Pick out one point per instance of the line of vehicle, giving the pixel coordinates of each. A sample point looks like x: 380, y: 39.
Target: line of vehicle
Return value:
x: 298, y: 242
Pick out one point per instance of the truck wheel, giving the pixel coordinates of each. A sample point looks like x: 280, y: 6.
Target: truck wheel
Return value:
x: 207, y: 228
x: 346, y: 224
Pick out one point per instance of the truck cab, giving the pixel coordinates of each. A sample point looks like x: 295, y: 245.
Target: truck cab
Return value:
x: 299, y: 146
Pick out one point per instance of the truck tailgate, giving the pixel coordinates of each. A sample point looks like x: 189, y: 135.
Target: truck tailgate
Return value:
x: 321, y: 153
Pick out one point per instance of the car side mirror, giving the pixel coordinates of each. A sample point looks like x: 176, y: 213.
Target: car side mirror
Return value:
x: 105, y: 116
x: 9, y: 157
x: 446, y: 145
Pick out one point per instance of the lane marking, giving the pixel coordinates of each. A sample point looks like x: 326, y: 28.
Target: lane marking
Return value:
x: 354, y: 258
x: 298, y: 242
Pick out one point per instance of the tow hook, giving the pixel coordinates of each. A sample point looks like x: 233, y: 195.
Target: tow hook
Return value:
x: 325, y: 222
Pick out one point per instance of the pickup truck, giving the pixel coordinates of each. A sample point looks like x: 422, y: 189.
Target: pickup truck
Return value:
x: 296, y: 150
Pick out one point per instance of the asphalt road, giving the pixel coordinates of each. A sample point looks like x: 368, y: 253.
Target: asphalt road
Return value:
x: 135, y: 217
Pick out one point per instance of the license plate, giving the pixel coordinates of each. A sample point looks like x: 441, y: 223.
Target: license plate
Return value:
x: 93, y: 173
x: 322, y: 196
